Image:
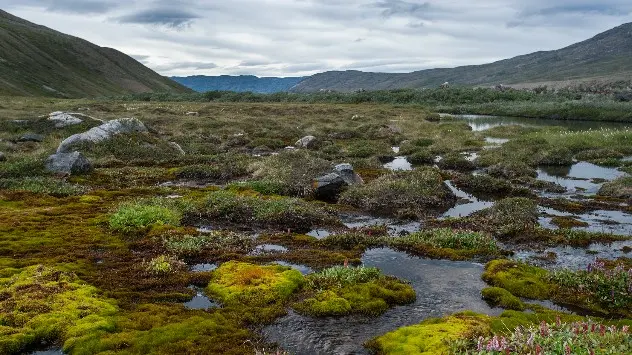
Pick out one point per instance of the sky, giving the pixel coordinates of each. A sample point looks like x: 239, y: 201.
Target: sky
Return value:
x: 304, y: 37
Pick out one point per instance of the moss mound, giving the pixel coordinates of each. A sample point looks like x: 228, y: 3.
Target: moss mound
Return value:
x: 341, y: 291
x: 499, y: 297
x: 520, y: 279
x: 432, y: 336
x: 42, y: 305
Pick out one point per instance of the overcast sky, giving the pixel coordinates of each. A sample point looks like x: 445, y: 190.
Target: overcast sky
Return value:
x: 302, y: 37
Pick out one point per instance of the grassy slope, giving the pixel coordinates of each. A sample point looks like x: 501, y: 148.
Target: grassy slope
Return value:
x: 604, y: 54
x: 38, y: 61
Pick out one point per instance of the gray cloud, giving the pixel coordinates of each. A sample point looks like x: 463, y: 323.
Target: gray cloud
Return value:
x: 302, y: 37
x: 160, y: 16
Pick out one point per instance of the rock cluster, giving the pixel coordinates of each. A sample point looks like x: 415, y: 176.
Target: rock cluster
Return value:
x: 329, y: 186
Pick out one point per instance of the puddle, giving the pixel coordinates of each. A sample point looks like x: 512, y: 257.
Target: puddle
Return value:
x: 482, y: 123
x: 442, y: 287
x: 200, y: 301
x: 574, y: 258
x: 399, y: 164
x: 498, y: 141
x: 611, y: 222
x: 470, y: 156
x: 395, y: 149
x: 304, y: 269
x: 319, y: 233
x: 466, y: 205
x: 394, y: 227
x: 203, y: 267
x: 579, y: 177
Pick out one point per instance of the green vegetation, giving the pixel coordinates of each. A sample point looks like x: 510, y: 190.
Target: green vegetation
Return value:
x: 512, y: 215
x: 499, y: 297
x: 39, y: 304
x: 619, y: 188
x: 448, y: 243
x: 409, y: 193
x: 42, y: 185
x: 342, y: 290
x: 138, y: 215
x: 519, y: 279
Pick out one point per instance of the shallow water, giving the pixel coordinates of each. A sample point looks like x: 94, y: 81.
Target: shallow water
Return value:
x: 399, y: 164
x: 200, y: 301
x: 394, y: 227
x: 443, y: 287
x: 574, y: 258
x: 319, y: 233
x: 611, y: 222
x: 467, y: 204
x: 578, y: 178
x: 482, y: 123
x: 303, y: 269
x: 53, y: 351
x: 268, y: 248
x: 203, y: 267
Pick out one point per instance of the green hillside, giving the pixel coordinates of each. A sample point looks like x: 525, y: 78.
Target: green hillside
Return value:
x: 605, y: 55
x: 38, y: 61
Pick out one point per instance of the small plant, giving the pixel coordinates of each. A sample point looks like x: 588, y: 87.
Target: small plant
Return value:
x: 586, y: 337
x: 339, y: 276
x: 162, y: 265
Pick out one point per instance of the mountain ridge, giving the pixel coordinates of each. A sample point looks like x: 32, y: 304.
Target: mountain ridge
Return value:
x: 238, y: 83
x: 39, y: 61
x: 606, y: 53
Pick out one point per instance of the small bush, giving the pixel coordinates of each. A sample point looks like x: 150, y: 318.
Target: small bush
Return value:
x: 162, y: 265
x: 135, y: 216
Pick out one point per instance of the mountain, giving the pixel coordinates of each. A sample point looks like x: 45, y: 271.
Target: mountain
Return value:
x: 38, y: 61
x: 240, y: 83
x: 607, y: 55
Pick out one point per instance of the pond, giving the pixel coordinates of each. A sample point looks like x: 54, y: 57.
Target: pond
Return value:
x: 442, y: 287
x: 483, y: 123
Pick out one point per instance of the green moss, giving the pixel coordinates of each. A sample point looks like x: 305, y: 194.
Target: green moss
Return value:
x: 432, y: 336
x: 567, y: 222
x: 41, y: 304
x: 237, y: 283
x: 345, y: 290
x: 519, y: 279
x: 499, y: 297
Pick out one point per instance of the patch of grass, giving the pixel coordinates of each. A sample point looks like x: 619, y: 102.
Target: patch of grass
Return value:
x: 43, y: 185
x: 269, y: 211
x: 23, y: 167
x: 512, y: 215
x: 401, y: 193
x: 447, y: 243
x: 163, y: 264
x: 619, y: 188
x: 456, y: 162
x: 141, y: 214
x: 187, y: 243
x: 342, y: 290
x: 511, y: 170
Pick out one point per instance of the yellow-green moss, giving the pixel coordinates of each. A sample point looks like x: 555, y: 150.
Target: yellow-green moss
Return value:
x: 238, y: 283
x: 520, y: 279
x: 41, y: 304
x: 431, y: 337
x: 500, y: 297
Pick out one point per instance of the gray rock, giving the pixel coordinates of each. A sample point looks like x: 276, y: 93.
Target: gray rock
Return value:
x: 3, y: 157
x: 102, y: 133
x: 63, y: 119
x: 177, y: 148
x: 31, y: 137
x: 347, y: 173
x: 308, y: 142
x: 68, y: 163
x: 329, y: 186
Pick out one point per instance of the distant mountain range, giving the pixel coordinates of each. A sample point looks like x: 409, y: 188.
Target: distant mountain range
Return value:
x: 241, y: 83
x: 38, y: 61
x: 607, y: 56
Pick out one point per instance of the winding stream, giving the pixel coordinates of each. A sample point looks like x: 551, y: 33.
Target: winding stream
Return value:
x: 442, y: 287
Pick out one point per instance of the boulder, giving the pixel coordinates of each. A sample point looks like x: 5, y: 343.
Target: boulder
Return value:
x: 68, y: 163
x: 31, y: 137
x: 63, y: 119
x: 177, y: 148
x: 328, y: 187
x: 102, y: 133
x: 307, y: 142
x: 347, y: 173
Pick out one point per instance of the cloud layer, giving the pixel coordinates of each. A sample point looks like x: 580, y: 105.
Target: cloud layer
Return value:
x: 302, y: 37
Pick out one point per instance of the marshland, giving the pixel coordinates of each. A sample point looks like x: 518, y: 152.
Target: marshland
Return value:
x: 433, y: 221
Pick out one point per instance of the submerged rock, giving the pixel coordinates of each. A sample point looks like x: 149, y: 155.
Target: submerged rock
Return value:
x: 63, y: 119
x: 68, y: 163
x: 307, y: 142
x: 102, y: 133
